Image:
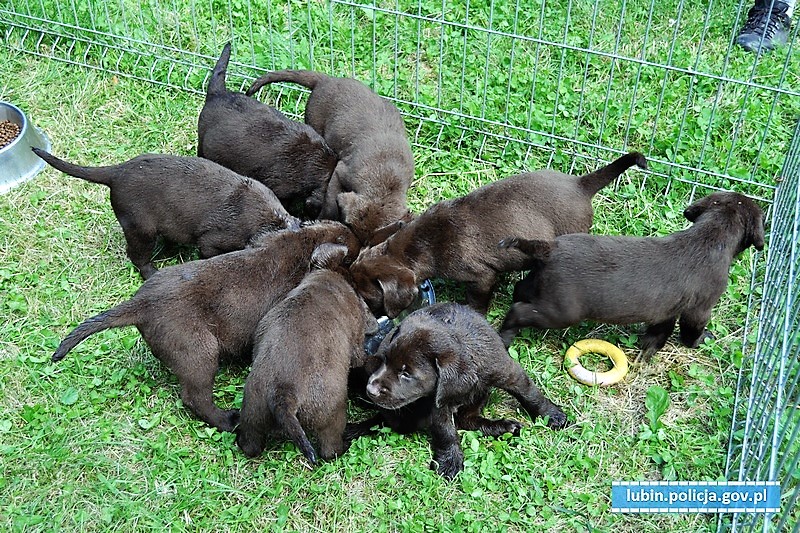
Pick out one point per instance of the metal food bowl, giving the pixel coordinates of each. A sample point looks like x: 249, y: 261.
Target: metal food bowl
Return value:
x: 17, y: 162
x: 425, y: 296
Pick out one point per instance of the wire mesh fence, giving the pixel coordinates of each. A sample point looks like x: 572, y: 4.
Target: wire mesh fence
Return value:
x: 518, y: 85
x: 765, y: 439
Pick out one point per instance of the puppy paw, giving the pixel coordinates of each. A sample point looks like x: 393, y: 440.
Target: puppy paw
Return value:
x: 448, y: 463
x: 706, y: 335
x: 557, y: 419
x: 233, y: 418
x: 501, y: 427
x: 508, y: 337
x: 250, y: 447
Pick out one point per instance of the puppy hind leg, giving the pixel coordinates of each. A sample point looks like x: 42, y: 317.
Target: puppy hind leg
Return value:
x: 693, y: 330
x: 330, y: 436
x: 140, y: 247
x: 193, y: 357
x: 655, y: 337
x: 251, y: 434
x: 197, y: 396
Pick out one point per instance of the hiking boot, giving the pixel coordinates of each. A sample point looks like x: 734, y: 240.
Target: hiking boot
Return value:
x: 765, y: 29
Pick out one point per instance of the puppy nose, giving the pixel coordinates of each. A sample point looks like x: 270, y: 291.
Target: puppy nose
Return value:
x: 374, y: 389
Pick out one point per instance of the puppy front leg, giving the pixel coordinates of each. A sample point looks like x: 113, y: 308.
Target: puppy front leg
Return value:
x: 448, y: 459
x: 470, y: 417
x: 655, y: 337
x: 330, y: 206
x: 479, y: 294
x: 520, y: 315
x: 517, y: 383
x: 693, y: 330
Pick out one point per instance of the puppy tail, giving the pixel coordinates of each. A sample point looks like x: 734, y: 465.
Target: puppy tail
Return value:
x: 306, y: 78
x: 594, y: 181
x: 100, y: 175
x: 121, y: 315
x: 285, y: 413
x: 216, y: 85
x: 535, y: 248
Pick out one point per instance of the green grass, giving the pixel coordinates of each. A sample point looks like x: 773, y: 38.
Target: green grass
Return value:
x: 100, y: 441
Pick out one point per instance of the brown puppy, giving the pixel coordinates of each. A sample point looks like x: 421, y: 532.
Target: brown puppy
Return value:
x: 304, y: 349
x: 457, y: 239
x: 368, y: 188
x: 185, y: 200
x: 193, y: 314
x: 626, y: 280
x: 258, y: 141
x: 438, y: 367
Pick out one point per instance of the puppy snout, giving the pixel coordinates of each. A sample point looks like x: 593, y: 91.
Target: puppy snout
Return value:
x: 375, y: 389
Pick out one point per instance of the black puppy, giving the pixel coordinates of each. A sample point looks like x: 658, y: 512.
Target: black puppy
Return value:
x: 193, y: 314
x: 457, y: 239
x: 368, y: 188
x: 259, y: 141
x: 438, y: 367
x: 626, y: 280
x: 304, y: 349
x: 185, y: 200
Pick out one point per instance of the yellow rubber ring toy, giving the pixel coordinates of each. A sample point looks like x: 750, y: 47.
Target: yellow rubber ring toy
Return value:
x: 587, y: 377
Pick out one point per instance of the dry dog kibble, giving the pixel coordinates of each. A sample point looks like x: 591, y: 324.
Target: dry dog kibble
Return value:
x: 8, y: 132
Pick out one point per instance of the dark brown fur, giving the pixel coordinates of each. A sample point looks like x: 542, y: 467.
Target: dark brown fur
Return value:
x: 627, y: 280
x: 259, y: 141
x: 368, y: 188
x: 304, y: 349
x: 437, y: 370
x: 185, y: 200
x: 192, y: 315
x: 457, y: 239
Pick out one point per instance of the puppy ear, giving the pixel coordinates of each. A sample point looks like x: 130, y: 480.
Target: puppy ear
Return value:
x: 371, y: 325
x: 372, y: 363
x: 350, y: 204
x: 385, y: 232
x: 755, y: 229
x: 458, y: 377
x: 398, y: 291
x: 328, y: 255
x: 696, y: 209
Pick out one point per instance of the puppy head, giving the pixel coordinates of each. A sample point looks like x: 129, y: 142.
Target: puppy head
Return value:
x: 387, y: 286
x: 739, y: 210
x: 372, y: 220
x: 417, y: 364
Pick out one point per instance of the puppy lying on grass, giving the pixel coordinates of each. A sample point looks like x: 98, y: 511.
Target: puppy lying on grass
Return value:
x: 437, y: 369
x: 304, y: 349
x: 258, y: 141
x: 368, y: 188
x: 193, y: 314
x: 457, y: 239
x: 625, y: 280
x: 185, y: 200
